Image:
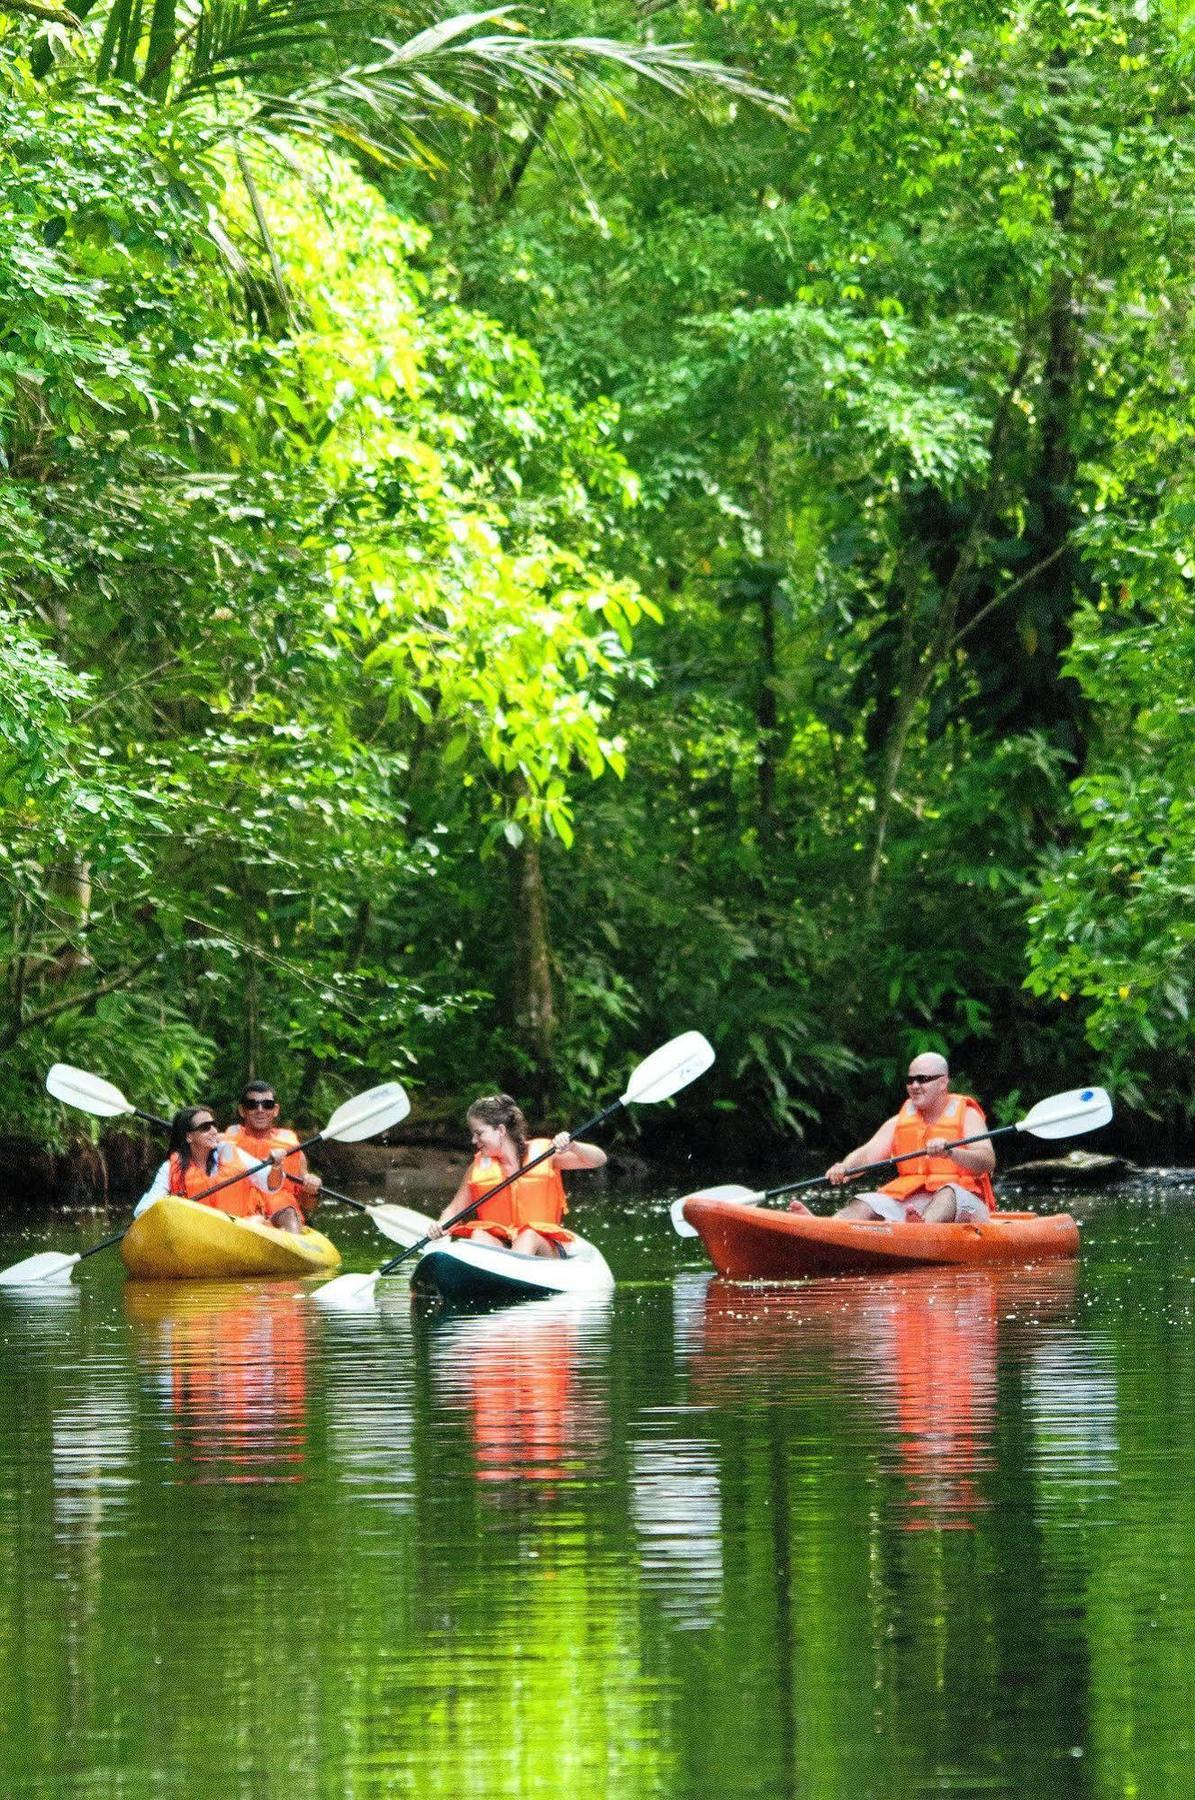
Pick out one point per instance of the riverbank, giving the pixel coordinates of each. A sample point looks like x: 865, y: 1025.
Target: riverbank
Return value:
x: 425, y: 1159
x: 417, y: 1166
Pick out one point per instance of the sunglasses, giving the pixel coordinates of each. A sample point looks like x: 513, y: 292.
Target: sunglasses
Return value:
x: 921, y: 1080
x: 259, y: 1105
x: 205, y: 1125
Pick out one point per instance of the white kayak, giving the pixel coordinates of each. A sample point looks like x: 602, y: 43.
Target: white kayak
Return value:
x: 472, y: 1274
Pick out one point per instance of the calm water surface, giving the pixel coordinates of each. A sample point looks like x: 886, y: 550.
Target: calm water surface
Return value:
x: 934, y: 1534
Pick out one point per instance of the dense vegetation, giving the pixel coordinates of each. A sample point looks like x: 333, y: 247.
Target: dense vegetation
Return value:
x: 511, y: 546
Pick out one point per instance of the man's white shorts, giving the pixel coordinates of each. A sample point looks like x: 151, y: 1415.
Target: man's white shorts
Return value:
x: 969, y: 1208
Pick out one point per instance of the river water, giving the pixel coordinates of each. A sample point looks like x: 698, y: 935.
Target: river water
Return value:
x: 931, y: 1534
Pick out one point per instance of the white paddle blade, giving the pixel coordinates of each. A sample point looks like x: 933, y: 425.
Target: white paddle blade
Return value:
x: 1068, y: 1115
x: 367, y: 1114
x: 47, y: 1265
x: 401, y: 1223
x: 731, y: 1191
x: 347, y: 1293
x: 90, y: 1093
x: 670, y: 1068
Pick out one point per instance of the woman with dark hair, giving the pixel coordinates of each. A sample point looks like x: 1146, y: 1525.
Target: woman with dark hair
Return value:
x: 527, y: 1215
x: 199, y: 1158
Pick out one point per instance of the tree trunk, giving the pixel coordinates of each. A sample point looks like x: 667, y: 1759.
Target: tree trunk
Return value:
x: 534, y: 1004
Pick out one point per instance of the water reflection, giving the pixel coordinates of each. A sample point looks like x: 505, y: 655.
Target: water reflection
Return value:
x: 665, y: 1550
x: 1072, y: 1399
x: 676, y: 1506
x: 919, y: 1352
x: 231, y: 1365
x: 516, y: 1374
x: 369, y: 1378
x: 92, y: 1451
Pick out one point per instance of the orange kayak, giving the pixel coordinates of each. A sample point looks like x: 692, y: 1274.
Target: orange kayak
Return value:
x: 748, y: 1243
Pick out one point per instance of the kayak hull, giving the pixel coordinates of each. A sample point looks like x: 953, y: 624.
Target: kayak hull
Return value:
x: 466, y: 1273
x: 746, y: 1243
x: 182, y: 1240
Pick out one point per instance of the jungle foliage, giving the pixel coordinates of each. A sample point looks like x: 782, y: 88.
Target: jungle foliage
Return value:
x: 517, y: 537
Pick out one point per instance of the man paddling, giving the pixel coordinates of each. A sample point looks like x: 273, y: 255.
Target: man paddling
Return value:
x: 259, y: 1135
x: 943, y: 1183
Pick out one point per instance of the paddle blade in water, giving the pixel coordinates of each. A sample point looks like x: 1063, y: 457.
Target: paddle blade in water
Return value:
x: 732, y: 1191
x: 347, y: 1293
x: 47, y: 1265
x: 1068, y: 1115
x: 673, y: 1066
x: 367, y: 1114
x: 90, y: 1093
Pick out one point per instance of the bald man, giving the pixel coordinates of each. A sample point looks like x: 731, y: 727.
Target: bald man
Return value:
x: 943, y: 1184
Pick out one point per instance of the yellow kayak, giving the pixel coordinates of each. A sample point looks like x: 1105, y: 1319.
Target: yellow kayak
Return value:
x: 180, y: 1240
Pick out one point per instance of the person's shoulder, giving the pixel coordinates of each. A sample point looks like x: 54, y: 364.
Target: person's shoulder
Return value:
x: 234, y: 1133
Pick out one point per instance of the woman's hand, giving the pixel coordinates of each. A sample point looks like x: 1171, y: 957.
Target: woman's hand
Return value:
x: 837, y: 1173
x: 435, y: 1230
x: 561, y: 1141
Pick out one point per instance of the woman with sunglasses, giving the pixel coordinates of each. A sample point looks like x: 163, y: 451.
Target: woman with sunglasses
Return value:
x: 199, y: 1158
x: 940, y: 1183
x: 258, y: 1135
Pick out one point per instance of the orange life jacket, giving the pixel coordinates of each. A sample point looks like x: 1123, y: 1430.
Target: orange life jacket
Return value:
x: 258, y: 1144
x: 536, y: 1198
x: 926, y: 1174
x: 240, y: 1198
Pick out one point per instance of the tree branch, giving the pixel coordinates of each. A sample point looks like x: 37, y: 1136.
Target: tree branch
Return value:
x: 21, y: 1026
x: 504, y: 198
x: 1008, y: 593
x: 33, y: 9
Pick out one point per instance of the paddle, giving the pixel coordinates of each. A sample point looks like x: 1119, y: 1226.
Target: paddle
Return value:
x: 664, y: 1073
x: 402, y: 1224
x: 363, y: 1116
x: 1061, y: 1116
x: 92, y: 1094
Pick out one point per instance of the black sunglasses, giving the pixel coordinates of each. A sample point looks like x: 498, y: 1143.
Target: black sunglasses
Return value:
x: 920, y: 1080
x: 259, y: 1105
x: 203, y: 1125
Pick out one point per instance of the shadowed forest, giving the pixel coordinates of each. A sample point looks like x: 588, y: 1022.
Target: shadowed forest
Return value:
x: 526, y: 532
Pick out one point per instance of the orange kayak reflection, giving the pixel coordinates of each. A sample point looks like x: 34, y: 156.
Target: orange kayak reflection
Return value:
x: 919, y: 1349
x: 233, y: 1358
x: 517, y: 1372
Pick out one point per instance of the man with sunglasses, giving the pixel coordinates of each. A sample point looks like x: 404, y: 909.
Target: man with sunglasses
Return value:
x: 258, y: 1135
x: 943, y: 1182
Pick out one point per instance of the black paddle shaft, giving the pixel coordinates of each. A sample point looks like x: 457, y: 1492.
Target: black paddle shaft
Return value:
x: 884, y: 1163
x: 230, y: 1180
x: 106, y: 1245
x: 467, y: 1211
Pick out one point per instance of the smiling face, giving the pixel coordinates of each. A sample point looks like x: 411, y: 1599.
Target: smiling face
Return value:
x: 487, y: 1139
x: 202, y: 1136
x: 258, y: 1111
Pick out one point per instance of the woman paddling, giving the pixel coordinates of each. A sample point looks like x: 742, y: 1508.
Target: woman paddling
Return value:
x: 526, y: 1216
x: 199, y: 1158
